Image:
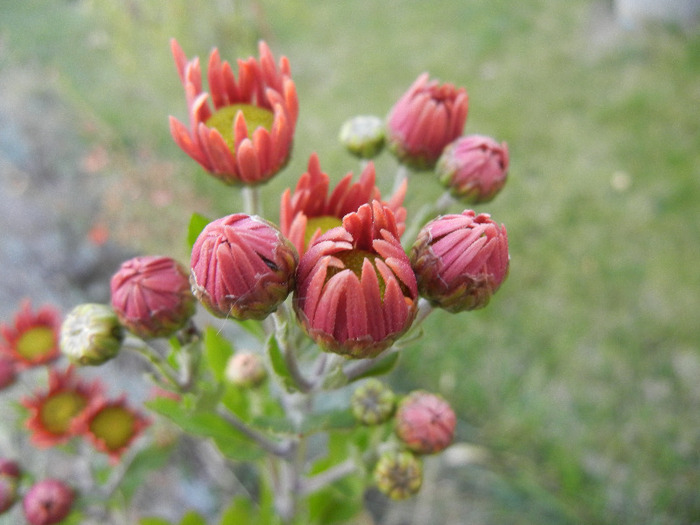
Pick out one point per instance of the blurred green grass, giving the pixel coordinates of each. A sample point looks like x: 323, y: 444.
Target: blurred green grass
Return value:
x: 581, y: 377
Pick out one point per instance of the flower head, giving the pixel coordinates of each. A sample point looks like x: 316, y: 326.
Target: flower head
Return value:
x: 372, y: 403
x: 474, y: 168
x: 425, y: 422
x: 424, y: 120
x: 33, y: 339
x: 48, y: 502
x: 246, y: 137
x: 356, y: 293
x: 460, y: 260
x: 363, y: 136
x: 242, y: 266
x: 52, y: 412
x: 151, y: 296
x: 310, y: 211
x: 111, y: 426
x: 245, y: 369
x: 399, y: 475
x: 8, y: 372
x: 91, y: 334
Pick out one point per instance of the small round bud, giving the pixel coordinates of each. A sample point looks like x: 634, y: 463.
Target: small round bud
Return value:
x: 399, y: 475
x: 8, y: 372
x: 49, y: 501
x: 151, y: 296
x: 372, y: 403
x: 460, y: 261
x: 9, y: 468
x: 243, y: 267
x: 9, y: 478
x: 245, y: 369
x: 473, y: 168
x: 363, y: 136
x: 91, y: 334
x: 425, y: 422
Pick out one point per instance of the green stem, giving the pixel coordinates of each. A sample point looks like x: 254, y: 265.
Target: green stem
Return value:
x: 251, y: 200
x: 158, y: 363
x: 281, y: 449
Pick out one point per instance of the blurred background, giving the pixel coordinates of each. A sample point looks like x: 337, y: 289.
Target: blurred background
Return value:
x: 578, y: 388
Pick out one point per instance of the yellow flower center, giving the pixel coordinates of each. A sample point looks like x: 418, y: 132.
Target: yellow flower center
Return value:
x: 58, y: 411
x: 353, y: 260
x: 36, y: 342
x: 324, y: 222
x: 255, y: 117
x: 114, y: 425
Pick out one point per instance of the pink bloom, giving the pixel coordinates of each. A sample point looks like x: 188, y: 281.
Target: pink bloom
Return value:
x: 111, y: 426
x: 247, y: 137
x: 48, y: 502
x: 425, y: 422
x: 474, y: 168
x: 310, y: 211
x: 52, y: 413
x: 33, y: 339
x: 460, y: 260
x: 242, y: 266
x: 152, y: 296
x: 356, y: 293
x: 425, y: 119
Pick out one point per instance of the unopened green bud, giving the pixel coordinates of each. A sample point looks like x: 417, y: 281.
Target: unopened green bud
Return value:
x: 363, y: 136
x: 373, y: 402
x: 399, y: 475
x: 91, y: 334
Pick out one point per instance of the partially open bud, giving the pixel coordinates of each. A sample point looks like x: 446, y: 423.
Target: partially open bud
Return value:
x: 49, y: 501
x: 425, y: 422
x: 373, y: 402
x: 8, y: 372
x: 91, y: 334
x: 363, y: 136
x: 460, y: 261
x: 151, y: 296
x: 473, y: 168
x: 245, y: 369
x: 243, y: 267
x: 399, y: 475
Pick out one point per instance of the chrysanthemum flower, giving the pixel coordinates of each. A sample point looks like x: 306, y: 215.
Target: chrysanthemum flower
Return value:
x: 247, y: 137
x: 52, y: 413
x: 310, y: 211
x: 242, y: 266
x: 151, y: 296
x: 33, y: 339
x: 460, y: 260
x: 425, y: 422
x: 473, y: 168
x: 356, y: 292
x: 48, y: 502
x: 111, y: 426
x: 424, y: 120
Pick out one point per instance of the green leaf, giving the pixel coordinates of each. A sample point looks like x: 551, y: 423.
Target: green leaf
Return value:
x: 383, y: 366
x: 153, y: 521
x: 253, y: 327
x: 240, y: 512
x: 336, y: 503
x: 197, y: 224
x: 341, y: 419
x: 217, y: 350
x: 147, y: 460
x: 193, y: 518
x: 236, y: 400
x: 279, y: 365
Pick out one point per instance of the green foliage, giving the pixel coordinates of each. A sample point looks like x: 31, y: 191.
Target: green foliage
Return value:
x: 197, y: 223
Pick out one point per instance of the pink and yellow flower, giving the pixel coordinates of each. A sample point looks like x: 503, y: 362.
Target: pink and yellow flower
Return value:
x: 310, y: 211
x: 460, y: 260
x: 424, y: 120
x: 246, y: 137
x: 356, y: 292
x: 111, y: 426
x: 52, y: 413
x: 33, y: 339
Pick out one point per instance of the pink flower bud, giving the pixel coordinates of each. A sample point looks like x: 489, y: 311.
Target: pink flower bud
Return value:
x: 474, y: 168
x: 151, y: 296
x: 49, y: 501
x: 425, y: 422
x: 8, y: 372
x: 460, y: 260
x: 242, y: 266
x: 245, y: 369
x: 425, y: 119
x: 9, y: 468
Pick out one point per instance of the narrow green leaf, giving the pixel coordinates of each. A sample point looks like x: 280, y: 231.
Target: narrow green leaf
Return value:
x: 153, y: 521
x: 236, y: 400
x: 195, y: 227
x: 240, y: 512
x: 329, y: 420
x: 383, y: 366
x: 279, y: 365
x: 147, y: 460
x: 217, y: 350
x: 193, y: 518
x: 254, y: 328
